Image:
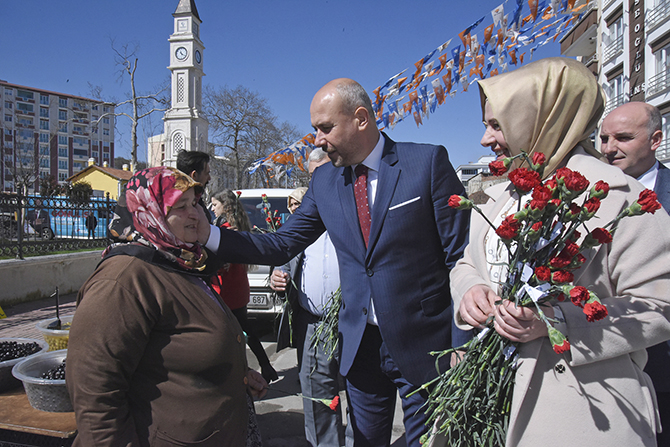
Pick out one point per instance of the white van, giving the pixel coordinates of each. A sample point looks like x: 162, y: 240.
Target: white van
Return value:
x: 263, y: 301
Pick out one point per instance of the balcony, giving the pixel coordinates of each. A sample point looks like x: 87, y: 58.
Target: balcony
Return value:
x: 613, y: 49
x: 581, y: 40
x: 663, y: 151
x: 608, y: 3
x: 658, y: 83
x: 657, y: 16
x: 613, y: 103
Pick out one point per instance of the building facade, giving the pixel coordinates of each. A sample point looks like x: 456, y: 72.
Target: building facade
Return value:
x: 626, y: 43
x: 47, y: 133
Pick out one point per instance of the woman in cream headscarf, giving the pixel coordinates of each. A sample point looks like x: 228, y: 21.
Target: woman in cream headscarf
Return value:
x: 596, y: 392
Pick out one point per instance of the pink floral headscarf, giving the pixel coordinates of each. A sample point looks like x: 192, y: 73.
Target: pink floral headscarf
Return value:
x: 149, y: 197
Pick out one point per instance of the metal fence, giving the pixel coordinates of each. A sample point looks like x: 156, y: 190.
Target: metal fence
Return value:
x: 40, y: 225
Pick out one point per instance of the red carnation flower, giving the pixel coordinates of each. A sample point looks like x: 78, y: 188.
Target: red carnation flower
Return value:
x: 573, y: 212
x: 591, y: 206
x: 543, y: 273
x: 561, y: 297
x: 560, y: 349
x: 648, y: 201
x: 560, y: 261
x: 509, y: 228
x: 264, y: 196
x: 336, y: 401
x: 562, y: 277
x: 600, y: 189
x: 602, y: 235
x: 595, y: 311
x: 538, y: 159
x: 524, y: 179
x: 537, y: 226
x: 460, y: 202
x: 579, y: 295
x: 499, y: 167
x: 541, y: 192
x: 538, y: 204
x: 562, y: 173
x: 574, y: 237
x: 576, y: 182
x: 551, y: 184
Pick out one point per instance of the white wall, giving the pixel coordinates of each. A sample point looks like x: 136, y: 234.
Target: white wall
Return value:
x: 37, y: 277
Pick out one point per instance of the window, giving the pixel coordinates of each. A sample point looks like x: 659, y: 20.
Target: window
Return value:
x: 81, y: 152
x: 94, y: 154
x: 105, y: 109
x: 105, y: 131
x: 8, y: 118
x: 28, y: 108
x: 62, y: 164
x: 44, y: 112
x: 105, y: 120
x: 8, y: 105
x: 26, y: 134
x: 25, y: 121
x: 62, y: 139
x: 62, y: 176
x: 62, y: 115
x: 24, y: 94
x: 44, y: 99
x: 44, y: 162
x: 44, y: 124
x: 8, y: 131
x: 62, y: 102
x: 78, y: 129
x: 94, y: 130
x: 94, y: 107
x: 662, y: 59
x: 63, y: 128
x: 44, y: 149
x: 9, y: 91
x: 469, y: 171
x: 78, y: 105
x: 80, y: 141
x: 62, y: 152
x: 44, y: 138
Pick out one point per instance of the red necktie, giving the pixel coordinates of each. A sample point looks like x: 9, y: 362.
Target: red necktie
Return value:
x: 361, y: 195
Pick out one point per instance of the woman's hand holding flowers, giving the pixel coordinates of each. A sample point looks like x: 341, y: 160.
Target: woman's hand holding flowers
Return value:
x: 478, y: 305
x: 519, y: 323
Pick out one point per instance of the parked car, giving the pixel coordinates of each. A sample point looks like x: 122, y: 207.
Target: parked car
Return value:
x: 263, y: 302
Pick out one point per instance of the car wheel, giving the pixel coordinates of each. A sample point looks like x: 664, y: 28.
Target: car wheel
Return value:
x: 47, y: 233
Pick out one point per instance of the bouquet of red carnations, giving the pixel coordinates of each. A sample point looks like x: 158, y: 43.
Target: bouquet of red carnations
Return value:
x: 271, y: 218
x: 470, y: 404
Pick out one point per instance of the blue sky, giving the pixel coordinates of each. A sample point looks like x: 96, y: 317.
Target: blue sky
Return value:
x: 284, y: 50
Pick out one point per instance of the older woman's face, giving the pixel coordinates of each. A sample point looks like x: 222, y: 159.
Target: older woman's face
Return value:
x: 217, y: 207
x: 292, y: 205
x: 493, y: 136
x: 183, y: 218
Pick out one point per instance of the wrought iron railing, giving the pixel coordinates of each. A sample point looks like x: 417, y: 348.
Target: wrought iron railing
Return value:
x: 32, y: 225
x: 613, y: 49
x: 657, y: 15
x: 613, y: 103
x: 658, y: 83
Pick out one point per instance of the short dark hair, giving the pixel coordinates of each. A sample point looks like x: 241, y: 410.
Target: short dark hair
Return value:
x: 189, y: 161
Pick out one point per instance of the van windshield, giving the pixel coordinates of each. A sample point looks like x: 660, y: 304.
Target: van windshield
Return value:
x: 254, y: 208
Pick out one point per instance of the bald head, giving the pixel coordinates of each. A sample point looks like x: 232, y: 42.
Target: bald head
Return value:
x: 630, y: 135
x: 342, y: 116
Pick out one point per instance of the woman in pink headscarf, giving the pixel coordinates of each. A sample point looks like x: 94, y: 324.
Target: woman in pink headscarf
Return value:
x: 155, y: 357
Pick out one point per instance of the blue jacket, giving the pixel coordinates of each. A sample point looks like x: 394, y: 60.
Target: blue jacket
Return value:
x: 415, y: 240
x: 658, y: 364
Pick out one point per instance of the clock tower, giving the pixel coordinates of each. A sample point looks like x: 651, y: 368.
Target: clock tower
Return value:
x: 184, y: 126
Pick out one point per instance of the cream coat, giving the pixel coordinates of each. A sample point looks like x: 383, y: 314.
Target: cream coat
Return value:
x: 597, y: 393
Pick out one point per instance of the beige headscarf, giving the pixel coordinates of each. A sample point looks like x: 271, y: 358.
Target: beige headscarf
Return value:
x: 297, y: 194
x: 547, y: 106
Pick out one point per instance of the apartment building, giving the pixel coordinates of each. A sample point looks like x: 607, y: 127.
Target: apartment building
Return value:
x: 626, y: 43
x: 47, y: 133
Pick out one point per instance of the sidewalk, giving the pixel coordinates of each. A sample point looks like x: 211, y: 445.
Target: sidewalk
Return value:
x: 280, y: 417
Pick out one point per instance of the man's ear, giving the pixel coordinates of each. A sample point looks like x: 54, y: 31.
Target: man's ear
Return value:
x: 363, y: 117
x: 656, y: 139
x: 193, y: 174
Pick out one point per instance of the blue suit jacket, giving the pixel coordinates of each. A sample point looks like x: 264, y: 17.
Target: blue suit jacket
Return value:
x: 415, y: 240
x: 658, y: 365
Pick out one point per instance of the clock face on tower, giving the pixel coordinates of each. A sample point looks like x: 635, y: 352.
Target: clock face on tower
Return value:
x: 181, y: 53
x: 198, y: 57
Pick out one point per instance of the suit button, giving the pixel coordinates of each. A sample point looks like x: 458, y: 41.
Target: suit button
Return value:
x: 369, y: 272
x: 239, y: 339
x: 365, y: 311
x: 559, y: 368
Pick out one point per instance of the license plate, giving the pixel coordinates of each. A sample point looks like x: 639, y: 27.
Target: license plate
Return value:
x: 258, y: 301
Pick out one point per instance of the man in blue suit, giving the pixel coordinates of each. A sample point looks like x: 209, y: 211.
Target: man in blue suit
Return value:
x: 630, y: 135
x: 396, y: 240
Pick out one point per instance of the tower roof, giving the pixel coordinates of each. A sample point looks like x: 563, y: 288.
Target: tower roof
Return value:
x: 187, y: 7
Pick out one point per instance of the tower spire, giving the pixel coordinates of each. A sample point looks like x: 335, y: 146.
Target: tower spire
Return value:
x: 187, y: 7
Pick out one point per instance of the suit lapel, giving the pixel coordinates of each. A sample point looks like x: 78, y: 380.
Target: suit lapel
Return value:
x: 345, y: 189
x: 662, y: 187
x: 389, y: 172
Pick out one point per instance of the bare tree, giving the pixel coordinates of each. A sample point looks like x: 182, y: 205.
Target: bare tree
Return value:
x: 243, y: 129
x: 140, y: 105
